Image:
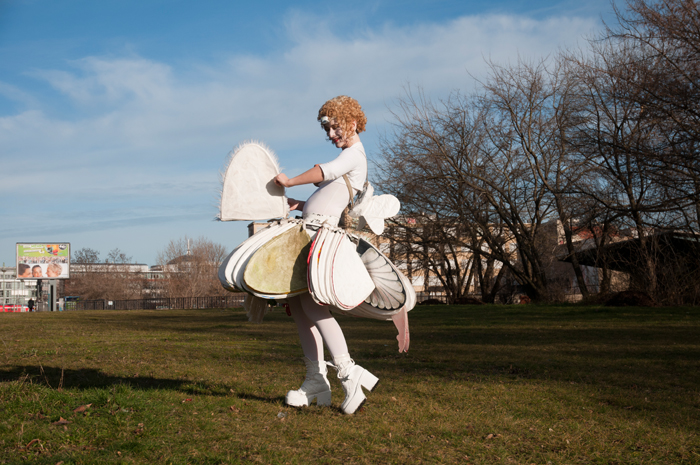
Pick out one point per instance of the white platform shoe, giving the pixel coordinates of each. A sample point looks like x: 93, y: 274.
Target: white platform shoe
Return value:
x: 316, y: 386
x: 353, y: 378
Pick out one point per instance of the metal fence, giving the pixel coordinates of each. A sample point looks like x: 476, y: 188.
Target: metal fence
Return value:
x: 431, y: 297
x: 233, y: 300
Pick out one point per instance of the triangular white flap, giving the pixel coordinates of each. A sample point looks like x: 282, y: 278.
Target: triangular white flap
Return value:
x: 316, y: 266
x: 351, y: 281
x: 330, y: 247
x: 226, y: 282
x: 390, y: 292
x: 248, y: 191
x: 323, y: 246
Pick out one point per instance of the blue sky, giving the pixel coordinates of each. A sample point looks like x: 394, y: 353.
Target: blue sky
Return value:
x: 116, y: 116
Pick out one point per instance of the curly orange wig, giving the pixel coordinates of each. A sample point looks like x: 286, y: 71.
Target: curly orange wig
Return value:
x: 344, y: 110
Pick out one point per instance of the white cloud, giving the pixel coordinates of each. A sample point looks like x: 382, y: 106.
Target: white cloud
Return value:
x: 104, y: 81
x: 138, y: 105
x: 16, y: 94
x: 133, y: 129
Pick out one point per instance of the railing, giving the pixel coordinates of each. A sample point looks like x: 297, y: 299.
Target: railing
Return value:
x: 431, y: 296
x: 234, y: 300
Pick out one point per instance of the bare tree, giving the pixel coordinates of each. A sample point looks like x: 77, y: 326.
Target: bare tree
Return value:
x: 603, y: 141
x: 117, y: 256
x: 665, y: 36
x: 85, y: 256
x: 495, y: 166
x: 641, y: 86
x: 533, y: 110
x: 117, y: 278
x: 190, y: 267
x: 421, y: 165
x: 615, y: 137
x: 84, y: 281
x: 638, y: 130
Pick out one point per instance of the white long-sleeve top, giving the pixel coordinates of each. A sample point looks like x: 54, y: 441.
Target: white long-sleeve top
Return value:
x: 332, y: 196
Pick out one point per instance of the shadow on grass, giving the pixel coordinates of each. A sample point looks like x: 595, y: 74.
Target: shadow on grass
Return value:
x: 87, y: 378
x: 92, y: 378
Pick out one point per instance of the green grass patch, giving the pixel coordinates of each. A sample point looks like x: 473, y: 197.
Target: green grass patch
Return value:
x: 480, y: 385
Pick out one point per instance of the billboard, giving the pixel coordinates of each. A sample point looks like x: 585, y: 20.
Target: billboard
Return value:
x: 43, y: 260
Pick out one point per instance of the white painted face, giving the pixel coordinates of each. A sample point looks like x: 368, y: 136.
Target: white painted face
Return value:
x: 335, y: 133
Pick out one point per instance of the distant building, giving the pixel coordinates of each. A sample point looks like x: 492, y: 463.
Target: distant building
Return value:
x: 15, y: 293
x: 141, y: 280
x: 81, y: 268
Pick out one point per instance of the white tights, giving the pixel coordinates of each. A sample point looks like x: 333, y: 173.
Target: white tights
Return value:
x: 316, y: 325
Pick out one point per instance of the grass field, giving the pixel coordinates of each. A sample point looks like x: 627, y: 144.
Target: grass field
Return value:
x: 480, y: 385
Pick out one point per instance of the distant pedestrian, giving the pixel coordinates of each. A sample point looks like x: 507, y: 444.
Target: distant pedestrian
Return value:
x: 30, y: 304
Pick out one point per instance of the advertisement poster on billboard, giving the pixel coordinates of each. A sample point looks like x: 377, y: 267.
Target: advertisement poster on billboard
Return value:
x: 43, y: 260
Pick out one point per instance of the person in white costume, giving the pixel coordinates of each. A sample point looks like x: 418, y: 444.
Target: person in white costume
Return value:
x: 343, y: 119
